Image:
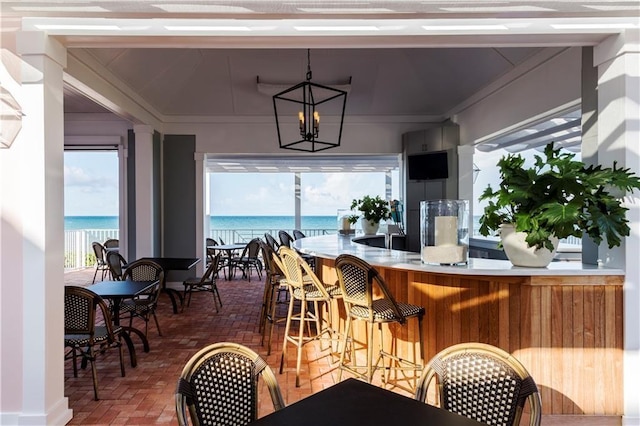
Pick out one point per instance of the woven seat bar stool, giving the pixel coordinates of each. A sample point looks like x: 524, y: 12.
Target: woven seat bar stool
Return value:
x: 274, y: 287
x: 305, y: 287
x: 357, y: 279
x: 219, y: 386
x: 482, y: 382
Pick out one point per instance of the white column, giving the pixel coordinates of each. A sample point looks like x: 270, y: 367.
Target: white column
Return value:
x: 618, y: 62
x: 144, y: 191
x: 32, y: 243
x: 200, y: 186
x: 297, y: 197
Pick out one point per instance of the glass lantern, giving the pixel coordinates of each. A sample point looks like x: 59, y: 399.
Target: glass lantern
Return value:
x: 444, y: 231
x: 344, y: 226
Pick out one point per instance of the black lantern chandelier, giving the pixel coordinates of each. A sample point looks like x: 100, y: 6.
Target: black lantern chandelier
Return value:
x: 309, y: 101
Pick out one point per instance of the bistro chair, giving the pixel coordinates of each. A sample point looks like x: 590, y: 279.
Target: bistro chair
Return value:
x: 297, y: 234
x: 357, y: 279
x: 481, y: 382
x: 81, y: 334
x: 249, y: 259
x: 271, y: 241
x: 111, y: 243
x: 305, y: 287
x: 211, y: 253
x: 116, y: 264
x: 206, y: 282
x: 101, y: 264
x: 219, y: 386
x: 144, y: 306
x: 285, y: 238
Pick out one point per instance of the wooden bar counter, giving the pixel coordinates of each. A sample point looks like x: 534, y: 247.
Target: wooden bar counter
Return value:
x: 563, y: 322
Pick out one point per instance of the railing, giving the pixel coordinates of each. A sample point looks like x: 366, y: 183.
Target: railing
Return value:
x: 246, y: 235
x: 78, y: 252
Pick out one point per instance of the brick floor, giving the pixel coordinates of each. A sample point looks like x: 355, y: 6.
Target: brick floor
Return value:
x: 146, y: 395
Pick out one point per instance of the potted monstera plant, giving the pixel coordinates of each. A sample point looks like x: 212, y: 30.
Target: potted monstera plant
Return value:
x: 374, y: 209
x: 556, y: 198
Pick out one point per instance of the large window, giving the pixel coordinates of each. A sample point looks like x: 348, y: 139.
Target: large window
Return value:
x: 251, y: 196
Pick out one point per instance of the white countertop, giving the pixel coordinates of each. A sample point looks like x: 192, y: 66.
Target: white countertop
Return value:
x: 330, y: 246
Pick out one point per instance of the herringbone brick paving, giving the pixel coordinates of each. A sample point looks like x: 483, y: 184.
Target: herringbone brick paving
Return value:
x: 145, y: 396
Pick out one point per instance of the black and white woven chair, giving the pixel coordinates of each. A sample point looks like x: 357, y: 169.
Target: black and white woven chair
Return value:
x: 357, y: 279
x: 144, y: 305
x: 219, y: 386
x: 481, y: 382
x: 85, y: 334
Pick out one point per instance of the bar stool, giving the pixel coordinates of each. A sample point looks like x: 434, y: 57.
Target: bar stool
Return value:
x: 305, y: 287
x: 357, y: 280
x: 274, y: 286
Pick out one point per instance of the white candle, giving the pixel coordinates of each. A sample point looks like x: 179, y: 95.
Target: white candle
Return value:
x: 446, y: 232
x: 345, y: 223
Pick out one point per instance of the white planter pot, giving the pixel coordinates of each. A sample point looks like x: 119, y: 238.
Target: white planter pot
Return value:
x: 519, y: 252
x: 369, y: 227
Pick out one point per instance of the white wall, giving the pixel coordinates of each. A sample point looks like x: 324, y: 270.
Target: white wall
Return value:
x: 547, y: 82
x: 260, y: 136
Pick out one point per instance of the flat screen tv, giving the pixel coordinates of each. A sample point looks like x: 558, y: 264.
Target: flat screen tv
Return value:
x: 428, y: 166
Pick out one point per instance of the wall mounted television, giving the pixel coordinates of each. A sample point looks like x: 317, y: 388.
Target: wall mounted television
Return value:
x: 428, y: 166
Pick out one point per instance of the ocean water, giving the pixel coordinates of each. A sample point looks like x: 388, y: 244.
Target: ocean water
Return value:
x: 217, y: 222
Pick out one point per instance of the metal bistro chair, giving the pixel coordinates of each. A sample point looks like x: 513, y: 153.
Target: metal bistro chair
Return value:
x: 357, y: 279
x: 219, y: 386
x: 285, y: 238
x: 101, y: 264
x: 481, y: 382
x: 207, y: 282
x: 81, y: 334
x: 249, y: 259
x: 298, y: 234
x: 111, y: 243
x: 305, y: 287
x: 116, y: 264
x: 272, y: 242
x: 144, y: 306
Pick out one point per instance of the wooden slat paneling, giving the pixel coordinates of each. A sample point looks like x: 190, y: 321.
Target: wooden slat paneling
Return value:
x: 567, y: 331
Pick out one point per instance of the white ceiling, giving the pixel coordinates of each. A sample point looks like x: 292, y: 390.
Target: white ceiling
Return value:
x: 404, y: 58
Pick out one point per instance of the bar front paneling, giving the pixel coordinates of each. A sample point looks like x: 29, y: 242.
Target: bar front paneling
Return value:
x: 566, y: 330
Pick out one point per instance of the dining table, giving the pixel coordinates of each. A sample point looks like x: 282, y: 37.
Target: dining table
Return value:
x: 354, y: 402
x: 174, y: 264
x: 229, y: 250
x: 116, y: 292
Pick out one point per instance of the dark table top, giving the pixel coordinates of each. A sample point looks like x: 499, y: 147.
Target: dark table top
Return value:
x: 354, y: 402
x: 233, y: 246
x: 121, y: 289
x: 175, y: 263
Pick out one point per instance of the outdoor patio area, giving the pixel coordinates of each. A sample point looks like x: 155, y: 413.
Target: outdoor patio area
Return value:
x: 146, y: 394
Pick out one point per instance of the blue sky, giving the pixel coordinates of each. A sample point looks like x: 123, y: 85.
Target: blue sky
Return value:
x: 91, y: 189
x: 91, y: 183
x: 322, y: 194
